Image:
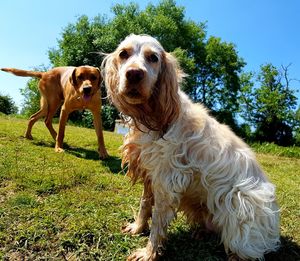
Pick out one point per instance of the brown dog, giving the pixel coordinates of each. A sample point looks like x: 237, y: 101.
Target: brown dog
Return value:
x: 78, y: 88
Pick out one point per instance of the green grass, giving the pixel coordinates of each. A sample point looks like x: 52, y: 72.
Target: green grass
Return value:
x: 71, y: 206
x: 270, y: 148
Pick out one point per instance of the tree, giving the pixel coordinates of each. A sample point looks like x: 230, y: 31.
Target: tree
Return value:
x: 270, y: 108
x: 213, y: 66
x: 31, y: 94
x: 297, y: 129
x: 31, y: 97
x: 77, y: 45
x: 7, y: 105
x: 218, y: 81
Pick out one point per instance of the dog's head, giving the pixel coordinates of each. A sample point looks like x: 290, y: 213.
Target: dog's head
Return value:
x: 86, y: 81
x: 142, y: 81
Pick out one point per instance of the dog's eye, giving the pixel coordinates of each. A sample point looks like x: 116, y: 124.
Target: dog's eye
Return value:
x: 80, y: 77
x: 93, y: 77
x: 152, y: 58
x: 124, y: 55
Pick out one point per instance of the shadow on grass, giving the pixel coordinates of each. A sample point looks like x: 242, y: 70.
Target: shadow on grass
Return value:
x: 76, y: 151
x: 181, y: 246
x: 41, y: 143
x: 289, y: 250
x: 114, y: 165
x: 112, y: 162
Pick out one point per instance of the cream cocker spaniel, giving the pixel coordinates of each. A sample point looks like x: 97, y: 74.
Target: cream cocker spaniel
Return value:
x: 186, y: 159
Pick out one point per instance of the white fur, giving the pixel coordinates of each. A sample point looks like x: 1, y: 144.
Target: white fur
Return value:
x: 201, y: 167
x: 239, y: 196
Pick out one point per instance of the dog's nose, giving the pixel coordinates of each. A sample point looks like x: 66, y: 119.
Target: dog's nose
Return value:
x: 87, y: 89
x: 134, y: 75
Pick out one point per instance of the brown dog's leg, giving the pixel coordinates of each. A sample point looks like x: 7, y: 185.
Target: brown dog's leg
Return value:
x: 99, y: 132
x: 36, y: 116
x: 61, y: 130
x: 52, y: 108
x: 145, y: 212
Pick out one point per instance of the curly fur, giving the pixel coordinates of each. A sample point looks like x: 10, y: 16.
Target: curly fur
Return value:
x: 188, y: 161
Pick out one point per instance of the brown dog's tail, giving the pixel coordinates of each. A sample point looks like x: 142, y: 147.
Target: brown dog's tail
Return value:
x: 23, y: 73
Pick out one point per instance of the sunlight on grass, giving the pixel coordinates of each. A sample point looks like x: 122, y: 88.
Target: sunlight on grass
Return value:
x: 67, y: 206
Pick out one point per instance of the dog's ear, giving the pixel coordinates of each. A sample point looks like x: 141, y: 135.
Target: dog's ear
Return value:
x: 166, y: 98
x: 72, y: 78
x: 110, y: 73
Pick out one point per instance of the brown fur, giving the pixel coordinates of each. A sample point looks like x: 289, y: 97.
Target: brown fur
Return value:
x: 65, y: 85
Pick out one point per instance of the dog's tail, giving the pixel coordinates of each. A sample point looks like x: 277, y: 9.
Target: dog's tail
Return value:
x: 23, y: 73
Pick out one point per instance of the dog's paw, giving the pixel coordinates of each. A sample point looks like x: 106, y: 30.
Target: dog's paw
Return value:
x: 142, y: 254
x: 59, y: 150
x: 133, y: 228
x: 103, y: 154
x: 28, y: 136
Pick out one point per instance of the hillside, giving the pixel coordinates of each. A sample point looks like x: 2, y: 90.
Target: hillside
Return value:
x: 71, y: 206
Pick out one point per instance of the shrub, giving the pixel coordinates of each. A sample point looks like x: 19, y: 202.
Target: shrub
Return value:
x: 109, y: 115
x: 7, y: 105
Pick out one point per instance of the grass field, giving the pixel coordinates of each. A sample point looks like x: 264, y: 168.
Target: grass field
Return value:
x: 71, y: 206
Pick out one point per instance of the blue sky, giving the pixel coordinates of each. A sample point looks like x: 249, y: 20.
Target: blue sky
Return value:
x: 262, y: 30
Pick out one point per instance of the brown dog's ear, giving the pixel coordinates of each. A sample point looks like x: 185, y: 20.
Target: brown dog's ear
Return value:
x: 72, y: 78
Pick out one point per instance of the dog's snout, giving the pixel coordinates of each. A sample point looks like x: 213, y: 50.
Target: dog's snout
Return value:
x: 87, y: 89
x: 134, y: 75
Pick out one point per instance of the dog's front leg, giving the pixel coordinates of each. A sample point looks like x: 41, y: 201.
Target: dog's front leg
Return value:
x: 99, y: 132
x: 64, y: 114
x: 145, y: 211
x: 163, y: 214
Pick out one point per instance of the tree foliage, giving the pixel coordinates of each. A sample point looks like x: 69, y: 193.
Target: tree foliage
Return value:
x: 32, y: 97
x: 7, y: 105
x: 213, y: 66
x: 297, y: 129
x: 31, y: 94
x: 270, y: 107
